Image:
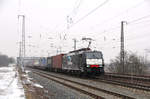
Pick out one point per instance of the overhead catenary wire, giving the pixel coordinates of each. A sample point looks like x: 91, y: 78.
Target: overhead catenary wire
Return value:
x: 139, y: 26
x: 119, y: 14
x: 41, y: 38
x: 139, y: 37
x: 117, y: 41
x: 138, y: 19
x: 89, y: 13
x: 135, y: 20
x: 109, y: 29
x: 106, y: 31
x: 92, y: 11
x: 140, y: 23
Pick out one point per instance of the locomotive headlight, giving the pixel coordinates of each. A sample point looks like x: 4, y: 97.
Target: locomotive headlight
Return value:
x: 88, y: 65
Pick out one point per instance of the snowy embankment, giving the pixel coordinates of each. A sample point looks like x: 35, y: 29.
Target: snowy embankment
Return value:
x: 29, y: 80
x: 10, y: 85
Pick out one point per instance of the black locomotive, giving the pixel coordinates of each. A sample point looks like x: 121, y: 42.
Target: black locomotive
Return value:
x: 82, y: 61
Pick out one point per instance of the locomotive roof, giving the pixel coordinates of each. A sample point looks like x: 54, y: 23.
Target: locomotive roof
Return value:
x: 79, y: 50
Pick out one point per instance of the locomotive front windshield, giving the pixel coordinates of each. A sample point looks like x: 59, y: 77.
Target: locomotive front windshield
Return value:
x: 93, y: 55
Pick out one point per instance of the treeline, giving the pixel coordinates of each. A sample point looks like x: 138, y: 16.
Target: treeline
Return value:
x: 5, y: 60
x: 133, y: 64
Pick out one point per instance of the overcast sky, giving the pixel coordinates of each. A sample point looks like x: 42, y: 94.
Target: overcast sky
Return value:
x: 46, y: 25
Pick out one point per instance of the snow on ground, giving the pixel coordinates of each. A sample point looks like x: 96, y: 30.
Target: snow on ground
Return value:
x: 38, y: 85
x: 29, y: 80
x: 10, y: 85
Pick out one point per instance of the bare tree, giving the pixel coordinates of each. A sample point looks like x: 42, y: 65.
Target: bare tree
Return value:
x: 133, y: 64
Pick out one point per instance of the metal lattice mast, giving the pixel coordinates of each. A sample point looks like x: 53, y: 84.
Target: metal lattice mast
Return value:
x: 23, y: 35
x: 21, y: 18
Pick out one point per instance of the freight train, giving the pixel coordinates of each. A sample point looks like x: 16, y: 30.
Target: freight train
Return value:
x: 83, y: 62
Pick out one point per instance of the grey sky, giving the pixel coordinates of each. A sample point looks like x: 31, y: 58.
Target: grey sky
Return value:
x: 48, y: 19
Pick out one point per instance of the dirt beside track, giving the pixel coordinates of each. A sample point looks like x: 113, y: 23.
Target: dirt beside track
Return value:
x: 32, y: 91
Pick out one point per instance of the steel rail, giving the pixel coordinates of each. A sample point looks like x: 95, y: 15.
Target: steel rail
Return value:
x: 128, y: 76
x: 87, y: 92
x: 124, y: 83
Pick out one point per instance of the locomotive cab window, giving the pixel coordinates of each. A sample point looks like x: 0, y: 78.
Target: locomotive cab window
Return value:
x: 93, y: 55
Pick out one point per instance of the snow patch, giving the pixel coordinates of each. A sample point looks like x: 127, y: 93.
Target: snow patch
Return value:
x: 10, y: 85
x: 29, y: 80
x: 38, y: 85
x: 27, y: 71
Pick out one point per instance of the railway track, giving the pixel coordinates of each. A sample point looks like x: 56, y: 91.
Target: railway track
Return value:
x: 125, y: 83
x: 96, y: 93
x: 135, y: 82
x: 127, y: 76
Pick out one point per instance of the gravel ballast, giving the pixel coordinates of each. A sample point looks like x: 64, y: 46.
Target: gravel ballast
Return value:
x: 56, y: 90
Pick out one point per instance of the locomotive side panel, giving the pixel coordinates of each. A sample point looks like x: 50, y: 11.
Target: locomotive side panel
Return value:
x: 73, y: 62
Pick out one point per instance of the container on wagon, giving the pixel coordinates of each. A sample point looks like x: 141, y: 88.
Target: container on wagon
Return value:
x: 57, y: 61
